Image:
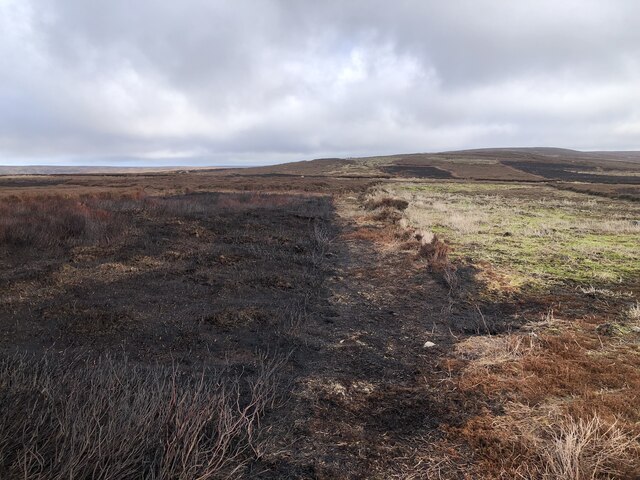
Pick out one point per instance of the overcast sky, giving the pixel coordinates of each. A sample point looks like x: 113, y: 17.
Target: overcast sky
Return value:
x: 262, y: 81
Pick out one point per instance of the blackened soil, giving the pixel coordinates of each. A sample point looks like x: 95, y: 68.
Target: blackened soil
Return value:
x: 197, y: 279
x: 416, y: 171
x: 370, y: 391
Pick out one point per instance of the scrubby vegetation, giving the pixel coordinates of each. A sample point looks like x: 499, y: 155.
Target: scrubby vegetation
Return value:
x: 106, y: 418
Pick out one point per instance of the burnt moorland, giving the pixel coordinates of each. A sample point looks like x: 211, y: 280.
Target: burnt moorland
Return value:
x: 457, y: 315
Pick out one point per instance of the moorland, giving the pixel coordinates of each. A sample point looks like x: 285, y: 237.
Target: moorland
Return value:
x: 468, y: 314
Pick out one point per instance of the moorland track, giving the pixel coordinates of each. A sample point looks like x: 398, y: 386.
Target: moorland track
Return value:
x: 372, y: 398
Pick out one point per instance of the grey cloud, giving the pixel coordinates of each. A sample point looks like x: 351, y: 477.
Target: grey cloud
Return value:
x: 264, y: 80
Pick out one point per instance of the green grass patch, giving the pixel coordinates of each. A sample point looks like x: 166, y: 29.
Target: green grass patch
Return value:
x: 536, y: 234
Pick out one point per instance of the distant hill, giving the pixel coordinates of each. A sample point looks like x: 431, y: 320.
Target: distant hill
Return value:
x: 508, y: 164
x: 90, y: 170
x: 504, y: 164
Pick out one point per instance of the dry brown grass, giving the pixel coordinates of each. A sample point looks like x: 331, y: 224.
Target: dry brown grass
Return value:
x: 436, y: 253
x: 466, y: 223
x: 386, y: 202
x: 386, y: 214
x: 585, y: 449
x: 488, y: 351
x: 387, y: 238
x: 572, y: 402
x: 543, y: 442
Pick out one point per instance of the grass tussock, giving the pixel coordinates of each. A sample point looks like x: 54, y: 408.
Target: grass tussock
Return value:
x: 388, y: 215
x: 585, y: 449
x: 110, y: 419
x: 546, y: 443
x: 435, y: 252
x: 385, y: 239
x: 386, y: 202
x: 493, y: 350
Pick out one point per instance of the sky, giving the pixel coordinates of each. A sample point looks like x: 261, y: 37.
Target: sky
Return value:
x: 246, y: 82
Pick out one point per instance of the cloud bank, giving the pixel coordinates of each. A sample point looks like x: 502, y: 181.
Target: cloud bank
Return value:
x: 264, y: 81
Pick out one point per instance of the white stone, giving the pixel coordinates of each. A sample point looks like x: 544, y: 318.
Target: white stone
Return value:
x: 429, y: 344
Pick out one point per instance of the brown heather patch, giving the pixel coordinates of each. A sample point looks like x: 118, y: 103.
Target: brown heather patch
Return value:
x: 51, y: 221
x: 560, y: 383
x: 568, y: 364
x: 545, y: 443
x: 435, y: 252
